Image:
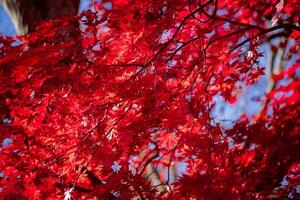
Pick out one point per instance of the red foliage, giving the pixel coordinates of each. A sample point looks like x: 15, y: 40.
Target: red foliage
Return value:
x: 122, y: 106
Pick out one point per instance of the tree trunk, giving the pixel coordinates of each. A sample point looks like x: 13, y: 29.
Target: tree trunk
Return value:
x: 25, y: 14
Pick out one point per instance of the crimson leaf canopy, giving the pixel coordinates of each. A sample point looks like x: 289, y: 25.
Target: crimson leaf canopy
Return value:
x: 117, y: 103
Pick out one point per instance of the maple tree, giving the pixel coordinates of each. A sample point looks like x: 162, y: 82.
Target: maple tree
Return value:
x: 121, y: 107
